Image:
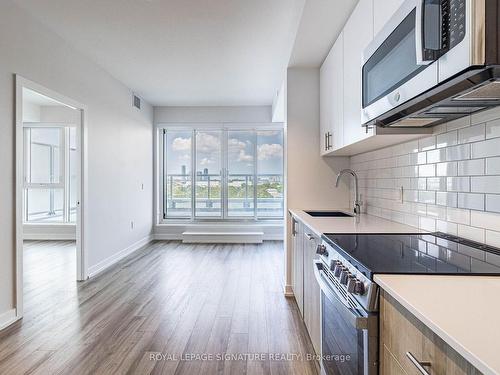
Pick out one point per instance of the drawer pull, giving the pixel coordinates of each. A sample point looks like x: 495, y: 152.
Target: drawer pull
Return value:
x: 419, y: 365
x: 309, y: 236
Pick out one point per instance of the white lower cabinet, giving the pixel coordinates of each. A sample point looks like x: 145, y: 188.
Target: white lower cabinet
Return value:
x: 305, y: 288
x: 312, y: 291
x: 298, y: 264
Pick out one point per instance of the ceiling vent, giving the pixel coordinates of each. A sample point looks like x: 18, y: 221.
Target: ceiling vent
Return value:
x: 137, y: 102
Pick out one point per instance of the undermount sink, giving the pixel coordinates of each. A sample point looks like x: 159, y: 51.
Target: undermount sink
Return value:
x: 328, y: 214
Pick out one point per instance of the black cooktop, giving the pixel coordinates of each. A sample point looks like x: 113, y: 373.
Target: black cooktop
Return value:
x: 435, y: 253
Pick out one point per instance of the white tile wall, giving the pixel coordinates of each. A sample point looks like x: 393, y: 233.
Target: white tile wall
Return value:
x: 493, y: 129
x: 471, y: 167
x: 471, y: 201
x: 493, y: 166
x: 450, y: 180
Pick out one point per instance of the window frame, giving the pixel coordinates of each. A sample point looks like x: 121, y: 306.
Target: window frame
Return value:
x: 162, y: 128
x: 64, y: 170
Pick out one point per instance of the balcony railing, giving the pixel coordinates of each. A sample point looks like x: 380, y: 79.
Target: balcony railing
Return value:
x: 240, y: 191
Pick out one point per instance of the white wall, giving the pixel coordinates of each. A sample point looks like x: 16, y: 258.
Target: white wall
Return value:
x: 278, y: 108
x: 59, y: 114
x: 236, y: 114
x: 310, y: 178
x: 31, y: 112
x: 119, y: 140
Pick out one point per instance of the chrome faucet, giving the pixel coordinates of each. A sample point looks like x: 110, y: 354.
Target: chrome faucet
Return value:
x: 357, y: 202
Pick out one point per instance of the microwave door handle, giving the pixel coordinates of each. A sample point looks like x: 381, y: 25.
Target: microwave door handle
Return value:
x: 419, y: 33
x: 428, y: 13
x: 356, y: 321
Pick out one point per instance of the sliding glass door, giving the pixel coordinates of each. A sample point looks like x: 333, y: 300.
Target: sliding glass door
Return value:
x: 177, y: 173
x: 241, y: 174
x: 208, y: 156
x: 270, y: 182
x: 237, y: 174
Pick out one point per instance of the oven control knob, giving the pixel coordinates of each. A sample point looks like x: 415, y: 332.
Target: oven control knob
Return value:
x: 344, y: 276
x: 321, y: 250
x: 334, y: 264
x: 359, y: 287
x: 338, y: 269
x: 351, y: 284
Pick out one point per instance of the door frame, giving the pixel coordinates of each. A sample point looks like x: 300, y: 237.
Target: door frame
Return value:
x: 82, y: 185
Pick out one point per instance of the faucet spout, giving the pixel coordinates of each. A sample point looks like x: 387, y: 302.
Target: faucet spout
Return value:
x: 357, y: 202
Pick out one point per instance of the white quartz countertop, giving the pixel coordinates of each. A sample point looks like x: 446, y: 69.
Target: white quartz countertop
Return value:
x: 462, y: 310
x: 339, y: 225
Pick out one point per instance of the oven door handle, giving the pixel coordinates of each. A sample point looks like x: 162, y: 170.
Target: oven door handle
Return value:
x: 359, y: 322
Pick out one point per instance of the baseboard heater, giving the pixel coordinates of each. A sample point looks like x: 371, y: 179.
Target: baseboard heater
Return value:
x: 222, y: 237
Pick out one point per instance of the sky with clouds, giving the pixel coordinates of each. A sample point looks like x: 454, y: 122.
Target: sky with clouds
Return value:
x: 240, y: 151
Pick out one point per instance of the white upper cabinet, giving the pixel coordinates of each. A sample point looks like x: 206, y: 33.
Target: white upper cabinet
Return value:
x: 337, y: 139
x: 358, y: 33
x: 331, y: 99
x: 325, y: 102
x: 341, y: 86
x: 383, y: 11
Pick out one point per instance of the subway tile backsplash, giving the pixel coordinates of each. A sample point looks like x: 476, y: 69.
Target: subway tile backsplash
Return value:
x: 450, y: 180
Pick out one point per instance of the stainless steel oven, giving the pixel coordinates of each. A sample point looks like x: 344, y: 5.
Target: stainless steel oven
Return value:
x: 349, y: 334
x: 427, y: 64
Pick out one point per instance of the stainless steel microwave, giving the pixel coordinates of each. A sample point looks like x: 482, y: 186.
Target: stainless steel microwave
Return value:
x: 434, y: 61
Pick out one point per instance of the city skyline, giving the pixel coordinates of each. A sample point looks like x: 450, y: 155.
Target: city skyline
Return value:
x: 240, y: 152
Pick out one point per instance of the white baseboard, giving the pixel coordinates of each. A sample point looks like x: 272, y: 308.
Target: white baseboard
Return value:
x: 49, y: 237
x: 113, y: 259
x: 271, y: 232
x: 167, y: 237
x: 288, y: 291
x: 54, y: 232
x: 7, y: 318
x: 222, y: 237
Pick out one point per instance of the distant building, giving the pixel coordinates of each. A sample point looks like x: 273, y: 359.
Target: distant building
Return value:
x: 183, y: 173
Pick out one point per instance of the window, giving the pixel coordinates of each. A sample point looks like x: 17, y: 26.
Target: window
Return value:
x: 222, y: 174
x: 208, y: 156
x: 177, y: 175
x: 50, y: 174
x: 241, y: 174
x: 270, y: 174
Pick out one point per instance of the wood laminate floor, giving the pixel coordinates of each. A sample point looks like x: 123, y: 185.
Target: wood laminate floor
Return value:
x: 169, y: 308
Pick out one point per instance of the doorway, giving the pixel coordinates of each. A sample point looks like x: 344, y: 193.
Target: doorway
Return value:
x: 50, y: 171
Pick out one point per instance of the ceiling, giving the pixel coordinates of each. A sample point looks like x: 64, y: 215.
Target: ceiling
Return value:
x: 182, y: 52
x: 321, y: 23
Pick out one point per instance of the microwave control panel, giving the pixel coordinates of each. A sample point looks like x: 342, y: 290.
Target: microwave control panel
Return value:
x: 453, y: 22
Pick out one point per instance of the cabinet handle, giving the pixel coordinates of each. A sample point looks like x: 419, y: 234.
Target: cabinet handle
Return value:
x: 326, y: 141
x: 419, y: 365
x: 328, y: 137
x: 309, y: 236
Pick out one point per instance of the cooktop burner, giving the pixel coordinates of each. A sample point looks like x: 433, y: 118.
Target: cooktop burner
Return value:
x: 435, y: 253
